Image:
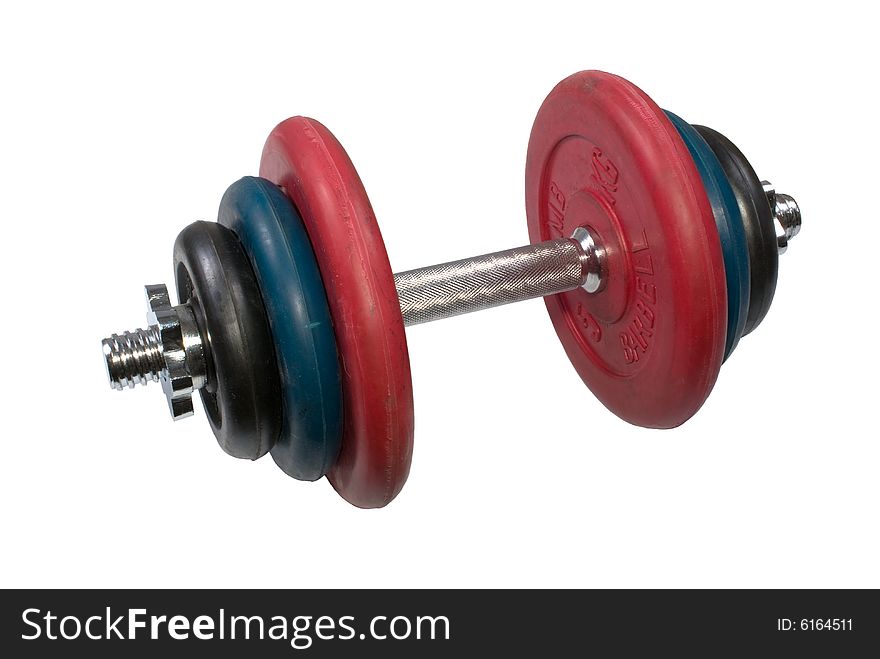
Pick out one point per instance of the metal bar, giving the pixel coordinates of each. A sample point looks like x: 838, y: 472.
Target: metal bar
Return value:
x: 482, y: 282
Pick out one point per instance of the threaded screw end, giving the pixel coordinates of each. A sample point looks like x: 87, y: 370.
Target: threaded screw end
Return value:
x: 133, y: 357
x: 789, y: 214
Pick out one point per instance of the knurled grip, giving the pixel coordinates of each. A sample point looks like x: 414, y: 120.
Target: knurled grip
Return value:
x: 481, y: 282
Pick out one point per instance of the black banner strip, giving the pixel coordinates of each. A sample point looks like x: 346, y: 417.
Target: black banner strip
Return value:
x: 428, y: 623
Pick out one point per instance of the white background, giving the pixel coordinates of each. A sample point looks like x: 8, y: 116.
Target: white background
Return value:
x: 122, y: 125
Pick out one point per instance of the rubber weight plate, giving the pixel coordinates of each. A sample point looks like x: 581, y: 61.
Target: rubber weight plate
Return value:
x: 242, y: 396
x: 313, y: 169
x: 757, y: 222
x: 602, y: 155
x: 728, y: 220
x: 274, y: 238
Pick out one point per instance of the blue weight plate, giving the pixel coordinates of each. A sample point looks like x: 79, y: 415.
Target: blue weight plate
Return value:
x: 274, y: 238
x: 734, y: 246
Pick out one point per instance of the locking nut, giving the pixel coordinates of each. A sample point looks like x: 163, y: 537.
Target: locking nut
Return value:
x: 786, y: 216
x: 170, y: 351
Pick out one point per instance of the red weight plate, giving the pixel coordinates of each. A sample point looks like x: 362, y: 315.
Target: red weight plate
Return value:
x: 602, y: 155
x: 307, y: 161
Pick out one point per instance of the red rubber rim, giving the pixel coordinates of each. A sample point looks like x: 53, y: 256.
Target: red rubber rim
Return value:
x: 307, y: 161
x: 603, y: 155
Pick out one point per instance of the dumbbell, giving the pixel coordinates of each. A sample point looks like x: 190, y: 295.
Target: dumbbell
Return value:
x: 653, y: 243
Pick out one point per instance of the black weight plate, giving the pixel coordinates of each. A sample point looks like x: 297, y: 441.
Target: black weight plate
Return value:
x: 757, y: 220
x: 242, y: 397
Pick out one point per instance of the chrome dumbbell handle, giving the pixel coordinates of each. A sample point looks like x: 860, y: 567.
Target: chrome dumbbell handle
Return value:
x: 490, y: 280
